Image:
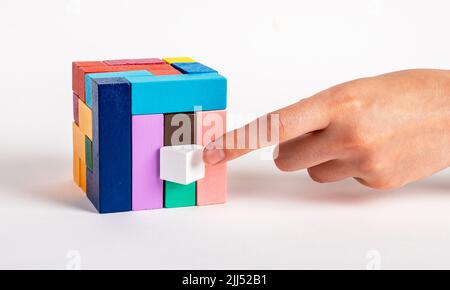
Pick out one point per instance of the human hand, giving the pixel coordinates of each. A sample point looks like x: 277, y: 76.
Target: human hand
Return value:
x: 384, y: 131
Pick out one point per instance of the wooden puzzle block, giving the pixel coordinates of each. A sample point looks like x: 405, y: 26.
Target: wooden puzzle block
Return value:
x: 136, y: 146
x: 88, y: 150
x: 109, y: 184
x: 178, y: 195
x: 78, y: 142
x: 83, y: 71
x: 76, y: 168
x: 192, y: 68
x: 141, y: 61
x: 85, y: 119
x: 171, y: 60
x: 76, y: 65
x: 124, y: 74
x: 177, y: 93
x: 179, y: 129
x: 148, y: 136
x: 182, y: 164
x: 213, y: 188
x: 163, y: 69
x: 83, y: 176
x: 75, y: 109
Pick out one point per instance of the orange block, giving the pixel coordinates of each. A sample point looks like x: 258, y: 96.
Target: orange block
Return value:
x: 83, y: 176
x: 76, y: 169
x: 76, y: 65
x: 79, y: 143
x: 100, y: 69
x: 212, y: 189
x: 85, y: 119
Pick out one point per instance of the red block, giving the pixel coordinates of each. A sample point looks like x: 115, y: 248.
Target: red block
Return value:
x: 141, y: 61
x: 163, y: 69
x: 75, y: 71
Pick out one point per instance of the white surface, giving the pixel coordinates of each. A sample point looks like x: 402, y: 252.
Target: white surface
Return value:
x: 273, y: 53
x: 182, y: 163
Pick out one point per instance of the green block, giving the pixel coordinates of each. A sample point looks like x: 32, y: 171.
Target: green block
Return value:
x: 88, y: 144
x: 179, y: 195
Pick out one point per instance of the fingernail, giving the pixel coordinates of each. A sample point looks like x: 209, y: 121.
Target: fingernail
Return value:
x: 212, y: 155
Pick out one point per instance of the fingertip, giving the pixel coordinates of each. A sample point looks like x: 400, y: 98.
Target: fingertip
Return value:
x: 213, y: 155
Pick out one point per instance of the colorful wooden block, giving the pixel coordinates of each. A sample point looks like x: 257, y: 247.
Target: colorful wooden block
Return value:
x: 109, y: 186
x: 75, y: 109
x: 88, y: 146
x: 177, y: 93
x: 213, y: 188
x: 76, y: 65
x: 78, y: 142
x: 163, y: 69
x: 171, y: 60
x: 76, y: 168
x: 179, y: 129
x: 123, y: 74
x: 178, y: 195
x: 141, y: 61
x: 85, y: 119
x: 83, y: 170
x: 192, y: 68
x: 83, y: 71
x: 148, y: 136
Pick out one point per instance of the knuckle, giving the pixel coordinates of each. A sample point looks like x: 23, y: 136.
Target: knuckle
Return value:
x: 371, y: 164
x: 347, y: 98
x: 356, y: 137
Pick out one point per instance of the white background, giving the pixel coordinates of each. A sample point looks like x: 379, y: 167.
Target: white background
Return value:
x: 273, y: 53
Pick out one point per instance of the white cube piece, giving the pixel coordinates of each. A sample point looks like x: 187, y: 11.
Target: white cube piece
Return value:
x: 182, y: 164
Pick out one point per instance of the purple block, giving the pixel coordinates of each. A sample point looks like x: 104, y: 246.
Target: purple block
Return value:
x: 147, y: 139
x: 75, y: 109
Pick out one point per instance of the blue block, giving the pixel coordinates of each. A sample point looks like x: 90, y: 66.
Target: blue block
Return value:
x: 109, y: 183
x: 178, y: 93
x: 90, y: 77
x: 192, y: 68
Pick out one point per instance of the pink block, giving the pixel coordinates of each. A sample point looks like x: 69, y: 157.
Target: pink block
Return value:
x: 147, y: 139
x: 213, y: 188
x: 143, y: 61
x: 75, y: 109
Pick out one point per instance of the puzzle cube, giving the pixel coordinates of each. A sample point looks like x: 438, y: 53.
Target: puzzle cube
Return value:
x: 138, y: 131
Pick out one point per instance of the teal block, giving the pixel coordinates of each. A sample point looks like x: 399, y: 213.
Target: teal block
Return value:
x: 122, y: 74
x: 179, y: 195
x: 177, y: 93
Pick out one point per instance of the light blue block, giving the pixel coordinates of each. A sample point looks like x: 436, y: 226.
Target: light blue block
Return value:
x: 122, y: 74
x: 177, y: 93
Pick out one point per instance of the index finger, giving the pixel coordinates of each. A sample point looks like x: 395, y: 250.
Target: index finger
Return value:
x: 300, y: 118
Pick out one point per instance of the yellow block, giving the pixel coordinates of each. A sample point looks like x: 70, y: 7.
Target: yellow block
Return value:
x: 76, y: 169
x: 83, y: 176
x: 171, y: 60
x: 79, y: 143
x: 85, y: 119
